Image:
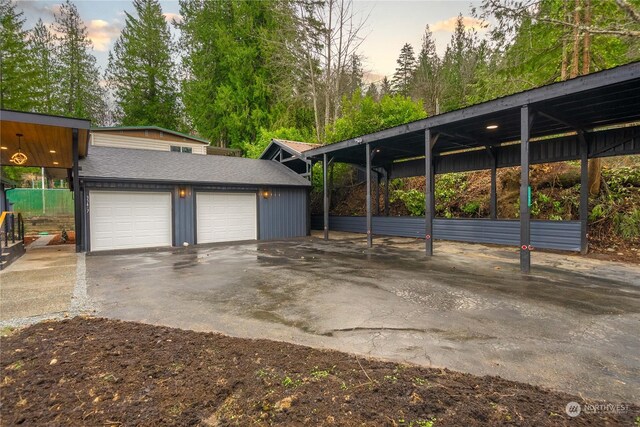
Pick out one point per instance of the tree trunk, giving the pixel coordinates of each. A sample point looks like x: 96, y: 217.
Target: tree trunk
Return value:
x: 595, y: 168
x: 564, y: 67
x: 575, y: 61
x: 595, y: 165
x: 328, y: 84
x: 586, y: 47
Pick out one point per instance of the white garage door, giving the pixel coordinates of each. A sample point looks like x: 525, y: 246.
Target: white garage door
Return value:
x: 226, y: 217
x: 127, y: 219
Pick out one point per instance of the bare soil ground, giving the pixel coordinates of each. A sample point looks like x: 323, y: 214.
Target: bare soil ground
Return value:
x: 87, y: 371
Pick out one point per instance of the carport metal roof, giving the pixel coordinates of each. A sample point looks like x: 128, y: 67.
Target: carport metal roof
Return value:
x: 597, y: 100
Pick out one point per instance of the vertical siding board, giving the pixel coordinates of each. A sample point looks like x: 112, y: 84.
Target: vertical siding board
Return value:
x: 283, y: 215
x: 561, y: 235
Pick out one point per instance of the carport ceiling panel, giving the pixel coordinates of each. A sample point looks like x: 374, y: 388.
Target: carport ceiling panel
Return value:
x: 37, y: 143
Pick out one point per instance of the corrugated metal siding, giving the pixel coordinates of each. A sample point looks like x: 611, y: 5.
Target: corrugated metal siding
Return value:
x: 122, y: 141
x: 561, y: 235
x: 284, y: 214
x: 613, y: 142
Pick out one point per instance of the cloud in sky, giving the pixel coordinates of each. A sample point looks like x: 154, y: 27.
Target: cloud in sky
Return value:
x: 170, y: 17
x: 41, y: 9
x: 449, y: 25
x: 102, y: 33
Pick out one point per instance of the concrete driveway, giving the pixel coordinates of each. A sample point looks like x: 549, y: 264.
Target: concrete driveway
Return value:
x: 572, y: 325
x: 39, y: 285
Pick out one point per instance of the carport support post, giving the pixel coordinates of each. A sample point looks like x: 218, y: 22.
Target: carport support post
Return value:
x: 325, y: 198
x: 77, y: 203
x: 525, y: 215
x: 368, y: 173
x: 584, y: 192
x: 493, y: 198
x: 428, y: 193
x: 386, y: 192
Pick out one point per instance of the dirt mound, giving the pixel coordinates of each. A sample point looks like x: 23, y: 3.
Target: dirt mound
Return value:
x: 103, y: 372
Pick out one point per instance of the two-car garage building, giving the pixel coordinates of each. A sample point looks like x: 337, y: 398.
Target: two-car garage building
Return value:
x: 148, y: 198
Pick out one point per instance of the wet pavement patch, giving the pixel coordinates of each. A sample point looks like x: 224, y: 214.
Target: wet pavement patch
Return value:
x: 88, y: 371
x: 567, y: 328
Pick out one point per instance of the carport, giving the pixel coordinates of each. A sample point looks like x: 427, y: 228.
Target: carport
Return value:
x: 587, y: 117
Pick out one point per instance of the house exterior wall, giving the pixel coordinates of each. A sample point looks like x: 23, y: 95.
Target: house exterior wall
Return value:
x: 107, y: 139
x: 283, y: 215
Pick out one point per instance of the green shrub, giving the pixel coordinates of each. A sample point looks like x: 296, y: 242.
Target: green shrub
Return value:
x: 471, y: 208
x: 628, y: 224
x: 448, y: 185
x: 412, y: 199
x: 598, y: 211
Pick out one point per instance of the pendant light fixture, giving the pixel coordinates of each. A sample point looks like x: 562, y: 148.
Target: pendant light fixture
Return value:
x: 19, y: 158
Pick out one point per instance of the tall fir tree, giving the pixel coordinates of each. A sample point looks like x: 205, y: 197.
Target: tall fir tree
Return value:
x: 46, y: 67
x: 463, y: 57
x: 372, y: 92
x: 426, y: 82
x: 141, y: 71
x: 239, y: 76
x: 16, y: 78
x: 80, y: 90
x: 404, y: 71
x: 385, y: 87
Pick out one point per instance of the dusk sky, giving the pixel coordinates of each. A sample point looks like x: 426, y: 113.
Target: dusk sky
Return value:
x: 390, y: 25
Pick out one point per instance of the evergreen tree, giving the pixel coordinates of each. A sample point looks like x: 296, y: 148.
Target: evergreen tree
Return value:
x: 46, y: 68
x: 385, y: 87
x: 426, y: 82
x: 354, y: 78
x: 372, y: 92
x: 404, y: 71
x: 141, y: 71
x: 16, y: 80
x: 80, y: 90
x: 463, y: 58
x: 234, y: 64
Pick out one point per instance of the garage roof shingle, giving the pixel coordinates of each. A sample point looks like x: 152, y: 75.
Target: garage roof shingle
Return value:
x: 151, y: 165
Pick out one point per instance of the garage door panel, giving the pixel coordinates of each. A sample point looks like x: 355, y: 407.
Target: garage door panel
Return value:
x: 123, y: 220
x: 226, y: 217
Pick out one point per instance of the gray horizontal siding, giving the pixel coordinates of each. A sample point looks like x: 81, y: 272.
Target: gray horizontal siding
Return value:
x: 561, y: 235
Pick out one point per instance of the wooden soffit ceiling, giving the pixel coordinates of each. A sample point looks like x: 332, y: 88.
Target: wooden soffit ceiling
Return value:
x: 47, y: 141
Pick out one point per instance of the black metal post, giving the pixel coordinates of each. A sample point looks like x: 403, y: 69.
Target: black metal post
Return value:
x: 6, y: 233
x: 428, y: 196
x: 584, y: 192
x: 13, y: 228
x: 76, y: 190
x: 368, y: 173
x: 493, y: 198
x: 386, y: 192
x: 325, y: 166
x: 525, y: 214
x: 378, y: 193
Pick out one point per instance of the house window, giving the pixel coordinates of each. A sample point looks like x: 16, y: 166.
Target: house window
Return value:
x: 179, y: 149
